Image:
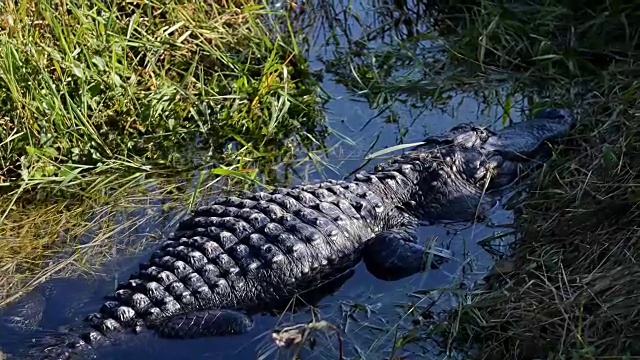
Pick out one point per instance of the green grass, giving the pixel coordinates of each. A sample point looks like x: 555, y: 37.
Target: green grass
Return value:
x: 145, y: 81
x: 102, y: 101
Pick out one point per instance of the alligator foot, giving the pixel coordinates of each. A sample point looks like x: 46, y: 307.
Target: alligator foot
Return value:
x: 204, y: 323
x: 395, y: 254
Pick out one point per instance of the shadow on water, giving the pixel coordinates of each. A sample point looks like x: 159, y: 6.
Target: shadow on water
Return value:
x: 359, y: 54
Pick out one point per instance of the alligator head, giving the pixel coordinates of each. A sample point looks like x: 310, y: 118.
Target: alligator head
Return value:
x: 498, y: 158
x: 470, y: 161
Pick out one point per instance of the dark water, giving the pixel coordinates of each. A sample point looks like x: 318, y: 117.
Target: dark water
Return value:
x: 351, y: 116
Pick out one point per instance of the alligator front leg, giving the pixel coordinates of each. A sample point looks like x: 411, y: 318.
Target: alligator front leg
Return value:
x: 395, y: 254
x: 204, y: 323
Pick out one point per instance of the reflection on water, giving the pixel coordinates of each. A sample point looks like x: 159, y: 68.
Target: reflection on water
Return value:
x: 371, y: 122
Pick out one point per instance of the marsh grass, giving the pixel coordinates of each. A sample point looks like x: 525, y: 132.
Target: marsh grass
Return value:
x: 570, y: 290
x: 148, y: 82
x: 107, y: 108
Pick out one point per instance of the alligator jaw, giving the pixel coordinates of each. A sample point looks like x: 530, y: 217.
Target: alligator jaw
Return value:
x: 525, y: 140
x: 523, y: 145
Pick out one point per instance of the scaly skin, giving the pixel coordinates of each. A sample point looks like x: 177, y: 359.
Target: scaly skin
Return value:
x: 248, y: 254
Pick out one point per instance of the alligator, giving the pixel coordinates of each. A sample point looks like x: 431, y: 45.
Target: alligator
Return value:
x: 246, y: 253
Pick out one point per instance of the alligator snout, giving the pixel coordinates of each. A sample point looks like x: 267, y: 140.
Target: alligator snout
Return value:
x: 555, y: 113
x: 562, y: 115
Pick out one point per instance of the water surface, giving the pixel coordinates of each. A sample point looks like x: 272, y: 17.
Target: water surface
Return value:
x: 351, y: 115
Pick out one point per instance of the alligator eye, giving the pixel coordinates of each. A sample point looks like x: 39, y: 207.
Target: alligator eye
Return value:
x: 484, y: 135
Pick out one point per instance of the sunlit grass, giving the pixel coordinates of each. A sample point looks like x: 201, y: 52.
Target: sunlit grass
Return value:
x: 151, y: 83
x: 109, y: 108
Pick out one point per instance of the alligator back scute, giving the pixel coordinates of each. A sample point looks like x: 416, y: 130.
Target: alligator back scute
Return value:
x: 241, y: 252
